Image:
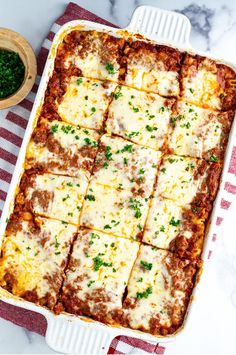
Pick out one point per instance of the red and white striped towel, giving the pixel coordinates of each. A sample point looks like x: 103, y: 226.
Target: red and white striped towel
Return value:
x: 12, y: 128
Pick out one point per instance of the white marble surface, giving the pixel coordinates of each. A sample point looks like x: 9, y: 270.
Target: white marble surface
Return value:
x: 212, y: 328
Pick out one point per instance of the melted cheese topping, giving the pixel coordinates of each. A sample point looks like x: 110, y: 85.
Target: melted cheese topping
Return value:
x: 159, y: 81
x: 85, y: 102
x: 164, y: 223
x: 122, y: 164
x: 176, y: 179
x: 74, y: 141
x: 114, y: 211
x: 93, y: 67
x: 143, y: 118
x: 57, y: 197
x: 102, y: 267
x: 34, y: 259
x: 196, y: 131
x: 151, y: 288
x: 202, y: 89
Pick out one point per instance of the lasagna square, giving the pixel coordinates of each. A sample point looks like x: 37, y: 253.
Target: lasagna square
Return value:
x: 158, y: 291
x: 125, y: 165
x: 140, y: 117
x: 97, y: 275
x: 53, y: 196
x: 34, y: 256
x: 170, y: 226
x: 208, y: 84
x: 113, y: 211
x: 199, y: 132
x: 60, y: 148
x: 96, y: 54
x: 85, y: 102
x: 152, y: 68
x: 188, y: 180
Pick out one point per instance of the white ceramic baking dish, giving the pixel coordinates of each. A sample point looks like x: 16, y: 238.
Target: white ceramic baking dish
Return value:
x: 67, y: 333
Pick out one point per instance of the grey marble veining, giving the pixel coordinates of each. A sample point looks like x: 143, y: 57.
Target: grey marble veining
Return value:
x: 212, y: 328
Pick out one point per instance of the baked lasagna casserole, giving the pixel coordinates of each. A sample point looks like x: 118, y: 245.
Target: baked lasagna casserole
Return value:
x: 120, y: 176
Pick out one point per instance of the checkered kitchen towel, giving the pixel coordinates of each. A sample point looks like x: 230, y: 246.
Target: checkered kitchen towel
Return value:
x: 12, y: 128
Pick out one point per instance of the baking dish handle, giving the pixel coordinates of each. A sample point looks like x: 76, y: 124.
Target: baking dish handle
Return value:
x: 161, y: 25
x: 74, y: 337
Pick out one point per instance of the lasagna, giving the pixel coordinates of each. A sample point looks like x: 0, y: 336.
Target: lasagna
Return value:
x: 158, y: 291
x: 59, y: 148
x: 124, y: 165
x: 148, y: 113
x: 115, y: 211
x: 98, y: 274
x: 207, y: 83
x: 199, y: 132
x: 152, y: 68
x: 34, y: 256
x: 120, y: 176
x: 54, y: 196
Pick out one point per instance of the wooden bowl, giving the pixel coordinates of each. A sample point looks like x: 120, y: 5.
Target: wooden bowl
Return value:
x: 13, y: 41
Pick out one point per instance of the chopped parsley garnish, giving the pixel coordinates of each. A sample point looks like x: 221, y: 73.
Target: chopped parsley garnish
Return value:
x: 191, y: 90
x: 28, y: 248
x: 135, y: 109
x: 66, y: 198
x: 12, y: 72
x: 141, y: 171
x: 54, y: 128
x: 190, y: 166
x: 171, y: 160
x: 69, y: 184
x: 146, y: 265
x: 163, y: 170
x: 162, y: 109
x: 107, y: 226
x: 110, y: 68
x: 174, y: 222
x: 57, y: 244
x: 79, y: 81
x: 151, y: 129
x: 195, y: 210
x: 144, y: 294
x: 105, y: 165
x: 66, y: 129
x: 90, y: 197
x: 132, y: 134
x: 139, y: 226
x: 173, y: 121
x: 213, y: 158
x: 89, y: 142
x: 162, y: 228
x: 86, y: 97
x: 118, y: 94
x: 185, y: 125
x: 127, y: 148
x: 90, y: 283
x: 93, y: 110
x: 135, y: 205
x: 98, y: 262
x: 108, y: 153
x: 140, y: 279
x: 57, y: 253
x: 125, y: 161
